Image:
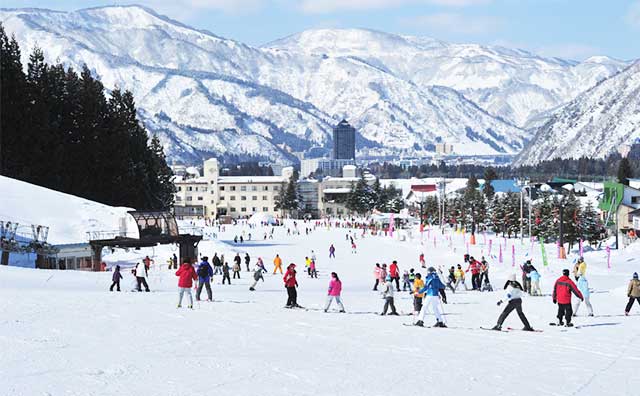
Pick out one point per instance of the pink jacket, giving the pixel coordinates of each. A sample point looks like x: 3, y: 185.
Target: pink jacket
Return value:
x: 376, y: 272
x: 335, y: 287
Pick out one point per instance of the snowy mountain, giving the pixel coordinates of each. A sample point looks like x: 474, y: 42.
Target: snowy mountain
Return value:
x: 595, y: 124
x: 203, y: 94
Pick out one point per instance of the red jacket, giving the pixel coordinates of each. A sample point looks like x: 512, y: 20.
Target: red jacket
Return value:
x: 290, y: 278
x: 562, y: 290
x: 187, y: 275
x: 474, y: 266
x: 393, y: 270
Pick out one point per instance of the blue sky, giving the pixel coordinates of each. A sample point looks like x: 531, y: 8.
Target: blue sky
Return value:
x: 565, y: 28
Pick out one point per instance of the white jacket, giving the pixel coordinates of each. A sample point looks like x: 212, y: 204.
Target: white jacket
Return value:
x: 141, y: 271
x: 513, y: 293
x: 388, y: 290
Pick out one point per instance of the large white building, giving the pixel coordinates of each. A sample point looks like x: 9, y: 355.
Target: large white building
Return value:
x: 212, y: 195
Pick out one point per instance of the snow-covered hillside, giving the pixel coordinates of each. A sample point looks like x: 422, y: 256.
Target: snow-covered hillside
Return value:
x: 205, y: 94
x: 595, y: 124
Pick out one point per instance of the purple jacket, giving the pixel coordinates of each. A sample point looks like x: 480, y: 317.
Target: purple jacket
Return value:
x: 116, y: 276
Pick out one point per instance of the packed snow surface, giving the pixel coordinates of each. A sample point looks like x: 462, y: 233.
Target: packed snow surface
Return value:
x: 64, y: 333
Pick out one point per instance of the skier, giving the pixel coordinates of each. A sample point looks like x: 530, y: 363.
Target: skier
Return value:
x: 332, y: 251
x: 217, y: 264
x: 225, y: 273
x: 583, y: 286
x: 527, y: 267
x: 247, y: 261
x: 257, y: 275
x: 335, y: 288
x: 353, y: 247
x: 175, y: 261
x: 418, y: 284
x: 260, y: 264
x: 290, y: 283
x: 451, y: 279
x: 205, y: 272
x: 376, y: 274
x: 312, y: 268
x: 562, y: 290
x: 534, y: 277
x: 474, y: 267
x: 395, y: 274
x: 307, y: 265
x: 387, y: 295
x: 147, y: 262
x: 186, y: 275
x: 633, y: 292
x: 514, y: 293
x: 313, y: 256
x: 580, y: 268
x: 486, y: 286
x: 406, y: 283
x: 412, y: 278
x: 277, y: 264
x: 141, y: 277
x: 116, y: 278
x: 431, y: 288
x: 484, y: 271
x: 459, y: 274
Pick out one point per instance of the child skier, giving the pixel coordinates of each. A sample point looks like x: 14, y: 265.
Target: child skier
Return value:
x: 290, y: 283
x: 514, y: 293
x: 486, y: 286
x: 376, y: 274
x: 459, y: 274
x: 335, y: 288
x: 406, y: 284
x: 387, y: 295
x: 257, y: 275
x: 432, y: 287
x: 534, y: 276
x: 583, y: 286
x: 417, y: 296
x: 562, y: 291
x: 633, y: 292
x: 186, y: 275
x: 116, y: 278
x: 312, y: 268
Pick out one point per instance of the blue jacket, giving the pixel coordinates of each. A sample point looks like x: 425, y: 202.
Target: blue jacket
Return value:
x: 583, y: 286
x: 432, y: 285
x: 534, y: 275
x: 209, y: 271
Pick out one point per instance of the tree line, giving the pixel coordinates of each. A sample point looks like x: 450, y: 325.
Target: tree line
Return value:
x: 59, y: 130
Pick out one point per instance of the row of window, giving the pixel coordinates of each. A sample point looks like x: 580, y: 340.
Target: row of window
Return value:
x: 254, y: 209
x: 244, y: 198
x: 244, y: 188
x: 192, y: 188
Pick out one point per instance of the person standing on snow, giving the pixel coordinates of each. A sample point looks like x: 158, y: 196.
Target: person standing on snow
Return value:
x: 186, y: 275
x: 205, y: 272
x: 406, y: 283
x: 418, y: 284
x: 332, y: 251
x: 247, y: 261
x: 633, y: 292
x: 562, y: 290
x: 225, y: 273
x: 580, y: 268
x: 583, y: 286
x: 387, y: 295
x: 290, y: 283
x: 312, y: 268
x: 115, y: 278
x: 431, y: 288
x: 335, y: 288
x: 534, y: 277
x: 217, y: 264
x: 514, y: 293
x: 277, y: 264
x: 141, y: 277
x: 421, y: 260
x: 474, y: 267
x: 237, y: 266
x: 459, y: 274
x: 395, y: 274
x: 376, y: 274
x: 527, y: 267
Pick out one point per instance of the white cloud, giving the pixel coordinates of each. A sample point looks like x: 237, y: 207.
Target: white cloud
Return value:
x: 327, y: 6
x: 447, y: 22
x: 633, y: 15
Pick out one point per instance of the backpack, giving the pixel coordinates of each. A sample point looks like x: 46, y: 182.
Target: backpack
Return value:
x: 203, y: 271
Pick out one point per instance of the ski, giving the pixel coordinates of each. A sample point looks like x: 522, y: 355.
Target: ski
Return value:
x: 533, y: 331
x: 490, y: 329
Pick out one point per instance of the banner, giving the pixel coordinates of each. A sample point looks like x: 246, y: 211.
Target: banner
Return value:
x: 500, y: 255
x: 544, y: 252
x: 608, y: 257
x: 580, y: 247
x: 490, y: 245
x: 513, y: 255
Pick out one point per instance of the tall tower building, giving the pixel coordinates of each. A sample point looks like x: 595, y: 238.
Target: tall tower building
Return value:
x: 344, y: 141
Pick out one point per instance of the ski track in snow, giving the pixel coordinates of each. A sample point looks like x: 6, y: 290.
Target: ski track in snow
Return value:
x: 64, y: 333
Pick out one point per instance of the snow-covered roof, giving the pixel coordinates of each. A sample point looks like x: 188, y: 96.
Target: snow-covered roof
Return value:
x: 344, y: 190
x: 250, y: 179
x: 194, y: 180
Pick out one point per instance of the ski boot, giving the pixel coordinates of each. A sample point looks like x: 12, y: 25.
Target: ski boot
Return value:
x: 179, y: 306
x: 497, y: 328
x: 528, y: 328
x: 419, y: 323
x: 569, y: 324
x: 190, y: 306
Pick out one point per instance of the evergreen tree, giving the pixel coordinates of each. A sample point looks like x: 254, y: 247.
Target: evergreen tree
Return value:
x: 571, y: 220
x: 590, y: 227
x: 489, y: 176
x: 624, y: 171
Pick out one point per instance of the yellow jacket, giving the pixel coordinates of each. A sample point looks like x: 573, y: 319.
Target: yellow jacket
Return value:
x: 582, y: 268
x: 459, y: 273
x: 277, y: 261
x: 307, y: 262
x: 417, y: 285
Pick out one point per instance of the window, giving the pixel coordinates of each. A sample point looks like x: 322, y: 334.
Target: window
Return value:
x: 213, y: 202
x: 254, y: 198
x: 275, y: 209
x: 179, y: 188
x: 243, y: 188
x: 204, y: 188
x: 264, y: 198
x: 232, y: 188
x: 233, y: 198
x: 178, y: 199
x: 265, y: 209
x: 276, y: 188
x: 189, y: 188
x: 265, y: 188
x: 233, y: 209
x: 221, y: 188
x: 189, y: 198
x: 243, y: 209
x: 221, y: 198
x: 243, y: 197
x: 254, y: 188
x: 635, y: 199
x: 199, y: 198
x: 253, y: 209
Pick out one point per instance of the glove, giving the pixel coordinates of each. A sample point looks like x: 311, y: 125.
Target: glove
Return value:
x: 499, y: 303
x: 554, y: 301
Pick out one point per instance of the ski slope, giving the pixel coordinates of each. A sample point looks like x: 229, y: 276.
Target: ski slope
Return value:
x: 64, y: 333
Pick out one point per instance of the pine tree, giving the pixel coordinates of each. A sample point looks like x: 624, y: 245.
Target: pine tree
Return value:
x: 571, y: 217
x: 624, y: 171
x: 489, y: 176
x: 591, y: 228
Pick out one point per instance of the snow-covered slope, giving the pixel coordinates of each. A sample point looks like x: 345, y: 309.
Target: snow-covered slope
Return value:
x: 68, y: 217
x: 510, y: 83
x: 595, y: 124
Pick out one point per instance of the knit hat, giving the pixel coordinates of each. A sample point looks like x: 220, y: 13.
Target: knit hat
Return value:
x: 635, y: 275
x: 431, y: 270
x: 565, y: 272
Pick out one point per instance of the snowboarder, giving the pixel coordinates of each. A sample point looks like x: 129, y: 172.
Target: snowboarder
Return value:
x: 186, y: 275
x: 247, y: 261
x: 376, y: 274
x: 633, y: 292
x: 431, y: 288
x: 583, y: 286
x: 332, y: 251
x: 277, y: 264
x: 141, y: 277
x: 418, y: 284
x: 514, y: 293
x: 335, y: 288
x: 225, y: 273
x: 395, y: 274
x: 562, y: 290
x: 290, y: 283
x: 205, y: 272
x: 237, y: 266
x: 115, y: 278
x: 387, y: 295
